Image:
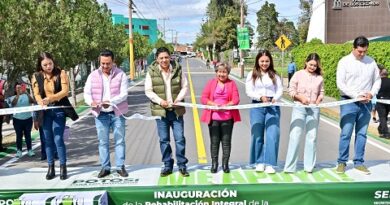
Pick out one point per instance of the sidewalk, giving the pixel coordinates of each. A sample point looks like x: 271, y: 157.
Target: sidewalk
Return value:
x: 331, y: 112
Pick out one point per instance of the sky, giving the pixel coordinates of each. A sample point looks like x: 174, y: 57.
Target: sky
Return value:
x: 185, y: 17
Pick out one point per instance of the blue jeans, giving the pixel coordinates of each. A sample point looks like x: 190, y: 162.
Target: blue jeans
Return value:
x: 163, y: 127
x: 301, y: 118
x: 53, y: 129
x: 23, y: 127
x: 264, y: 119
x: 358, y: 115
x: 104, y: 123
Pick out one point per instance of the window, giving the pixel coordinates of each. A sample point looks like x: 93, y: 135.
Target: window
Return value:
x: 145, y: 27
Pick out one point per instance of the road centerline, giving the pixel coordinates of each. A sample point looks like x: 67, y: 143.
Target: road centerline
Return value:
x: 202, y: 158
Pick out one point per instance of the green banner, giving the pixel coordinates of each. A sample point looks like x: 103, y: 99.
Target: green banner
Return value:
x: 243, y: 37
x: 355, y: 193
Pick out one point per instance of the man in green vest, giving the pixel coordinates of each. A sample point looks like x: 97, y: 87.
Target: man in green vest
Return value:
x: 165, y: 85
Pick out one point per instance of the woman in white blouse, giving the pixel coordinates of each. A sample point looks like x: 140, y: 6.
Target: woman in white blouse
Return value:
x: 263, y: 85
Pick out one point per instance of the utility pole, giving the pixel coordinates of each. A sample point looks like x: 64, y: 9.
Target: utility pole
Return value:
x: 241, y: 53
x: 164, y: 19
x: 131, y: 60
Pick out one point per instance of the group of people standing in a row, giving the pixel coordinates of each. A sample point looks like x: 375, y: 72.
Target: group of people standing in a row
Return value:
x: 165, y: 85
x: 357, y: 77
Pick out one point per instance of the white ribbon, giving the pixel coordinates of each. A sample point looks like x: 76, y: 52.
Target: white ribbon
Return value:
x: 257, y: 105
x: 15, y: 110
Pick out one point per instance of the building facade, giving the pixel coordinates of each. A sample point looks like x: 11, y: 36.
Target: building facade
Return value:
x: 145, y: 27
x: 339, y: 21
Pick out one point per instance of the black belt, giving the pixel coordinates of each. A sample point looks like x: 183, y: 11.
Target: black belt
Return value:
x: 110, y: 112
x: 384, y: 98
x: 260, y: 101
x: 346, y: 97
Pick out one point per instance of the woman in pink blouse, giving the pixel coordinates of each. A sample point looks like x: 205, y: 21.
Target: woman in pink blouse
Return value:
x: 306, y: 87
x: 220, y: 91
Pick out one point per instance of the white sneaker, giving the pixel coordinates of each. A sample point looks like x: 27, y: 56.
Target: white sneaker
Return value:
x: 260, y: 168
x: 269, y: 170
x: 19, y: 153
x: 31, y: 153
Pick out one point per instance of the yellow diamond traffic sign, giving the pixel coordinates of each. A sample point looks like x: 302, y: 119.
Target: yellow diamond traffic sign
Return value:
x: 283, y: 42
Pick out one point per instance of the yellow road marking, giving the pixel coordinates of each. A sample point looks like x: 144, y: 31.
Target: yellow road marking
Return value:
x: 202, y: 158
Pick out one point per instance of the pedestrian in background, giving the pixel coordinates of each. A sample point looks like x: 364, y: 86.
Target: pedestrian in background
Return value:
x: 291, y: 69
x: 357, y: 77
x: 220, y: 91
x: 166, y: 85
x: 50, y: 88
x: 106, y: 91
x: 2, y: 102
x: 383, y: 109
x: 22, y: 122
x: 263, y: 85
x: 306, y: 87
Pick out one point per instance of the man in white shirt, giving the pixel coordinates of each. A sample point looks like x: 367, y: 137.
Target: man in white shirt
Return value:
x: 106, y: 91
x: 357, y: 77
x: 165, y: 85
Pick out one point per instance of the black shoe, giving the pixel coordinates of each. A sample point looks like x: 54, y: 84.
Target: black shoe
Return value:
x: 385, y: 136
x: 225, y: 168
x: 214, y: 167
x: 103, y: 173
x: 122, y: 172
x: 51, y: 172
x: 165, y: 172
x: 63, y: 172
x: 183, y: 172
x: 3, y: 149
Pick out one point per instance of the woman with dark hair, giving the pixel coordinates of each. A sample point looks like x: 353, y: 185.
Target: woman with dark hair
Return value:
x: 50, y: 87
x: 22, y: 122
x: 220, y: 91
x: 306, y: 87
x: 263, y: 85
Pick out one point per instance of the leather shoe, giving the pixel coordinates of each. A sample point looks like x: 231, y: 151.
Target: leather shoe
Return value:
x: 122, y: 172
x: 103, y: 173
x: 183, y: 172
x: 165, y: 172
x: 51, y: 172
x: 225, y: 168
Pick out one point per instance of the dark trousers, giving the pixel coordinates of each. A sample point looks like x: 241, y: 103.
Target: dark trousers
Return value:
x: 1, y: 130
x: 23, y: 127
x: 290, y: 75
x: 221, y: 132
x: 383, y: 111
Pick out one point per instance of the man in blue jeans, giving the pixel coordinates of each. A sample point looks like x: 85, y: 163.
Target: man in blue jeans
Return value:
x: 106, y: 92
x: 165, y: 85
x: 357, y: 77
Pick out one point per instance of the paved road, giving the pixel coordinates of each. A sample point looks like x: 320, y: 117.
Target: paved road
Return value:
x: 142, y: 146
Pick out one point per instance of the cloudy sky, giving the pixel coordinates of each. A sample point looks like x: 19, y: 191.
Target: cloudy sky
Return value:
x: 186, y: 16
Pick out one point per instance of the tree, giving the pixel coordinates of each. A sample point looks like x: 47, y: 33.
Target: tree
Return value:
x: 304, y: 19
x: 267, y: 21
x: 161, y: 43
x: 74, y: 31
